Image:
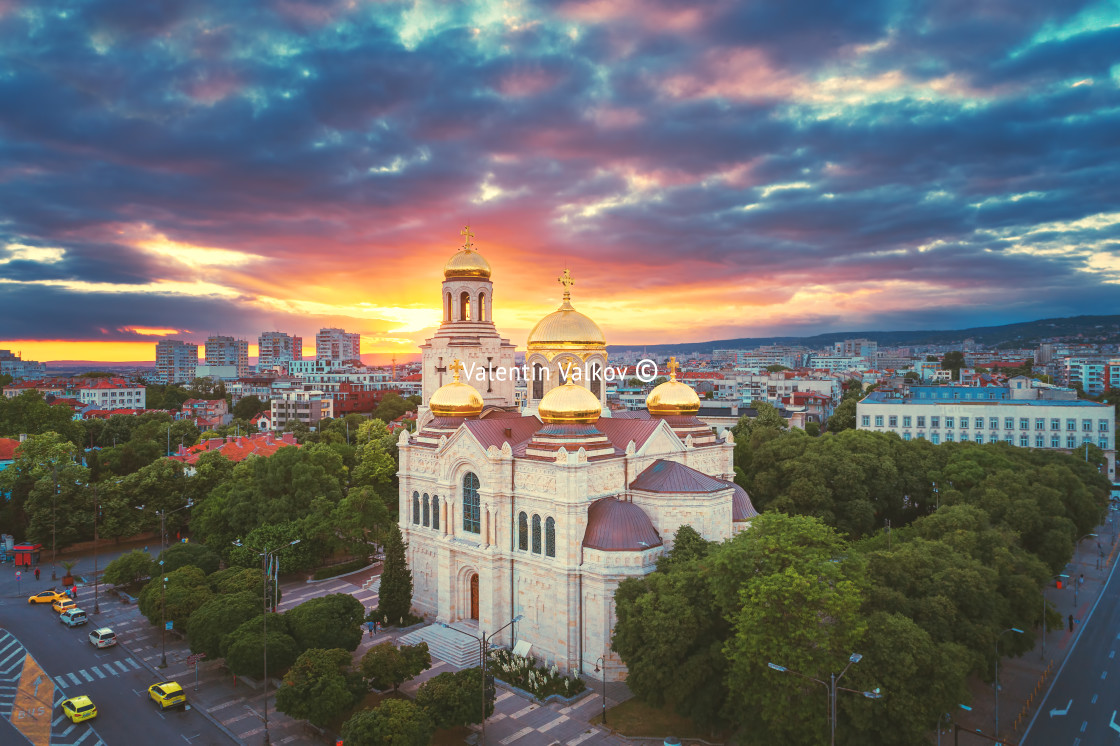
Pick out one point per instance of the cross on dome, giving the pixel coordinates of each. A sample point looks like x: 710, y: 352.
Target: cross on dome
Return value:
x: 469, y: 235
x: 456, y: 368
x: 567, y: 281
x: 673, y: 368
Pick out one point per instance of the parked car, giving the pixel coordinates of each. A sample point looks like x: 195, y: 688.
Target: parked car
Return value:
x: 103, y: 638
x: 73, y: 617
x: 64, y: 604
x: 47, y: 597
x: 167, y: 694
x: 79, y: 708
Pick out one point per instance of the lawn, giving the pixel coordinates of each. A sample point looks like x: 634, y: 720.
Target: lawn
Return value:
x: 638, y: 720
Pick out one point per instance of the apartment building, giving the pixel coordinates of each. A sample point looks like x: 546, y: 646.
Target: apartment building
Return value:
x: 112, y: 393
x: 277, y: 350
x: 308, y: 407
x: 337, y: 345
x: 223, y: 352
x: 19, y: 369
x: 176, y: 361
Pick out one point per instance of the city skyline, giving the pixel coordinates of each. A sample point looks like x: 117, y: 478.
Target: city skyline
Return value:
x: 705, y: 174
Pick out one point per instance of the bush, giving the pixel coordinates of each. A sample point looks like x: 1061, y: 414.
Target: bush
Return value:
x: 185, y: 591
x: 524, y: 673
x: 332, y: 621
x: 128, y: 569
x: 319, y: 687
x: 243, y: 648
x: 214, y: 619
x: 181, y: 555
x: 397, y: 722
x: 334, y: 570
x: 454, y: 699
x: 386, y: 665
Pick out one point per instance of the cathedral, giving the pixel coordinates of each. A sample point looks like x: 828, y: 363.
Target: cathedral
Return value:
x: 539, y: 508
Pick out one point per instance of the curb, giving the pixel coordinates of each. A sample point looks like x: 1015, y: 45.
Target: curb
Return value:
x: 343, y: 575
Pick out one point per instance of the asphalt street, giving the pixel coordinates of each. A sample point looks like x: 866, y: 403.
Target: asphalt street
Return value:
x: 1082, y: 707
x: 59, y: 663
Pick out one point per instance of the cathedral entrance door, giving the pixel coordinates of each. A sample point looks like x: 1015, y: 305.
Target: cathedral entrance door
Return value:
x: 474, y: 596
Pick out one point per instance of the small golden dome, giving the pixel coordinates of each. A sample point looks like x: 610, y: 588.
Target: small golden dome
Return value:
x: 456, y: 399
x: 672, y: 397
x: 570, y: 404
x: 566, y: 328
x: 467, y: 262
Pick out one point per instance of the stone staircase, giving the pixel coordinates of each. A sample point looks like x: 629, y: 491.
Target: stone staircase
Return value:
x: 447, y: 644
x: 373, y: 584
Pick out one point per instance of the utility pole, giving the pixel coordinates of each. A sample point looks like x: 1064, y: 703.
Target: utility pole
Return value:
x: 54, y: 524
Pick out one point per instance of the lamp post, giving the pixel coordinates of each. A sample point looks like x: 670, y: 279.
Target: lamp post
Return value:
x: 949, y: 717
x: 483, y: 643
x: 1077, y: 582
x: 54, y: 524
x: 96, y: 580
x: 603, y: 658
x: 831, y: 686
x: 1001, y: 634
x: 268, y: 556
x: 163, y: 586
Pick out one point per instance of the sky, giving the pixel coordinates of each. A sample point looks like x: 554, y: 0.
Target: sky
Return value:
x: 175, y: 169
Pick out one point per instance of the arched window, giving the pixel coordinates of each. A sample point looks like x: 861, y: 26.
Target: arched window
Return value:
x: 596, y: 379
x: 481, y: 311
x: 523, y: 532
x: 472, y: 510
x: 550, y: 537
x: 538, y: 381
x: 447, y: 308
x: 427, y: 512
x: 536, y: 534
x: 465, y: 306
x: 435, y: 511
x: 416, y: 507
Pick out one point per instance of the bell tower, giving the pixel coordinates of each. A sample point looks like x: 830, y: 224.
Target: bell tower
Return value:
x: 467, y: 332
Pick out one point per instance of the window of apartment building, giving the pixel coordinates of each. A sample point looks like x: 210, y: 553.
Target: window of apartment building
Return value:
x: 1008, y: 423
x: 906, y: 421
x: 1040, y: 423
x: 1055, y: 441
x: 1087, y: 439
x: 1071, y: 424
x: 1039, y: 441
x: 934, y: 421
x: 1102, y: 425
x: 1055, y: 424
x: 993, y: 423
x: 878, y: 420
x: 949, y: 422
x: 906, y: 436
x: 892, y: 420
x: 964, y: 423
x: 1009, y: 438
x: 934, y: 438
x: 865, y: 420
x: 979, y: 437
x: 1071, y: 441
x: 1024, y: 441
x: 921, y: 421
x: 1024, y: 423
x: 949, y: 437
x: 1087, y: 425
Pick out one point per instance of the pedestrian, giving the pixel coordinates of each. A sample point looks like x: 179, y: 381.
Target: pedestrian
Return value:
x: 1071, y: 622
x: 1081, y: 580
x: 369, y: 626
x: 74, y: 593
x: 36, y: 573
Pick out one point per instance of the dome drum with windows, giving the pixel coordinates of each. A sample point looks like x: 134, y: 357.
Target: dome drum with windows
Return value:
x: 456, y: 399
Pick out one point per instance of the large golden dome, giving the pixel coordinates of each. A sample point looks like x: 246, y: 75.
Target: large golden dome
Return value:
x: 672, y: 397
x: 456, y: 399
x: 566, y: 327
x: 570, y: 404
x: 467, y: 262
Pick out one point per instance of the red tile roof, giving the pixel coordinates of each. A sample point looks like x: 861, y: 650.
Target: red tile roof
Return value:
x: 8, y: 448
x: 493, y: 432
x: 742, y: 509
x: 620, y: 431
x: 619, y: 526
x: 673, y: 477
x: 237, y: 448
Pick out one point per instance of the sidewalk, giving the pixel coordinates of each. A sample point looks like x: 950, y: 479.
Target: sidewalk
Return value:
x: 1025, y: 679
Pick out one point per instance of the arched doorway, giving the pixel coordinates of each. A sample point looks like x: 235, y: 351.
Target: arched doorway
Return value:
x: 474, y: 596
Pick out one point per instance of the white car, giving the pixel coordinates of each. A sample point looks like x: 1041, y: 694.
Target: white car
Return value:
x: 103, y: 638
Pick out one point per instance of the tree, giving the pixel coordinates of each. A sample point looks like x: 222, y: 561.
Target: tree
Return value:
x: 452, y: 699
x: 128, y: 569
x: 844, y: 416
x: 319, y: 686
x: 812, y: 429
x: 184, y: 554
x: 184, y: 591
x: 212, y: 621
x: 48, y: 495
x: 359, y: 518
x: 688, y: 545
x: 395, y: 596
x: 248, y: 408
x: 386, y: 665
x: 397, y: 722
x: 332, y: 621
x: 243, y: 648
x: 953, y: 361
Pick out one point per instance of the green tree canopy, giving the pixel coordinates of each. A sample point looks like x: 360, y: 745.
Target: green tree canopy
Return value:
x: 128, y: 569
x: 184, y: 591
x: 332, y: 621
x: 243, y: 648
x: 248, y: 407
x: 395, y: 594
x: 454, y: 699
x: 319, y: 686
x: 386, y: 665
x: 183, y: 554
x: 213, y: 620
x: 396, y: 722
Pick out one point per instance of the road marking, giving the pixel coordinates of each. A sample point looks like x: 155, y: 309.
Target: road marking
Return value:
x: 513, y: 737
x: 61, y: 681
x: 1084, y: 725
x: 523, y: 712
x: 1061, y: 713
x: 581, y: 738
x: 85, y: 675
x: 1093, y: 701
x: 1104, y: 675
x: 1112, y: 722
x: 97, y: 671
x: 30, y: 715
x: 121, y: 666
x: 132, y: 663
x: 553, y: 723
x: 74, y: 678
x: 1111, y: 653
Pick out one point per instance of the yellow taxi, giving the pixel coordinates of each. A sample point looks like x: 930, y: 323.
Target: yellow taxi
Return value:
x: 167, y: 694
x: 64, y: 604
x: 46, y: 597
x: 79, y: 709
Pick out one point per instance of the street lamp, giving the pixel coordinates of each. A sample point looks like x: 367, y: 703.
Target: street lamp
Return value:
x: 949, y: 717
x: 268, y: 557
x: 96, y: 580
x: 163, y: 587
x: 830, y: 685
x: 1077, y: 582
x: 604, y: 660
x: 483, y: 642
x: 1001, y: 634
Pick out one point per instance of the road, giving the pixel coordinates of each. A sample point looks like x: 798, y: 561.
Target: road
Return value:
x: 42, y: 661
x: 1082, y: 707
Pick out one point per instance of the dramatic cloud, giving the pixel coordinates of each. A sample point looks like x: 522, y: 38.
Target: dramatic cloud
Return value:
x: 705, y: 170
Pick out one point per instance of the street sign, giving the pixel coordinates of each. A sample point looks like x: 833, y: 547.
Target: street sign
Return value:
x: 18, y: 574
x: 195, y: 658
x: 169, y: 625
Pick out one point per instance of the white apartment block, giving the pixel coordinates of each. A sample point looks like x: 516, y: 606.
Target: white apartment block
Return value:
x: 18, y: 368
x: 1088, y: 373
x: 308, y: 407
x: 1021, y: 414
x: 277, y: 349
x: 176, y: 361
x: 338, y: 345
x: 222, y: 351
x: 113, y: 393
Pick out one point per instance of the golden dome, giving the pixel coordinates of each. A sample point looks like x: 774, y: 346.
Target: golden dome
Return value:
x: 566, y: 327
x: 467, y: 262
x: 672, y: 397
x: 456, y: 399
x: 570, y: 404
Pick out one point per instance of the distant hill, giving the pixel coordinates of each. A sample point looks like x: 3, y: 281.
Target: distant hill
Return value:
x: 1098, y: 329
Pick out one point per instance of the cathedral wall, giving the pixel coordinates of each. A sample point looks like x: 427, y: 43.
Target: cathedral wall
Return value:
x: 602, y: 572
x: 708, y: 513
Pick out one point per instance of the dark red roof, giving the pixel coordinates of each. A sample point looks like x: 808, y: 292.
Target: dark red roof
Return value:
x: 742, y: 509
x: 8, y: 448
x: 619, y: 526
x: 673, y: 477
x: 621, y: 431
x: 630, y: 414
x: 493, y: 432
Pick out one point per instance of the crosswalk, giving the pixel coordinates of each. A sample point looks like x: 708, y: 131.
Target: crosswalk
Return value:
x: 12, y: 654
x: 86, y: 675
